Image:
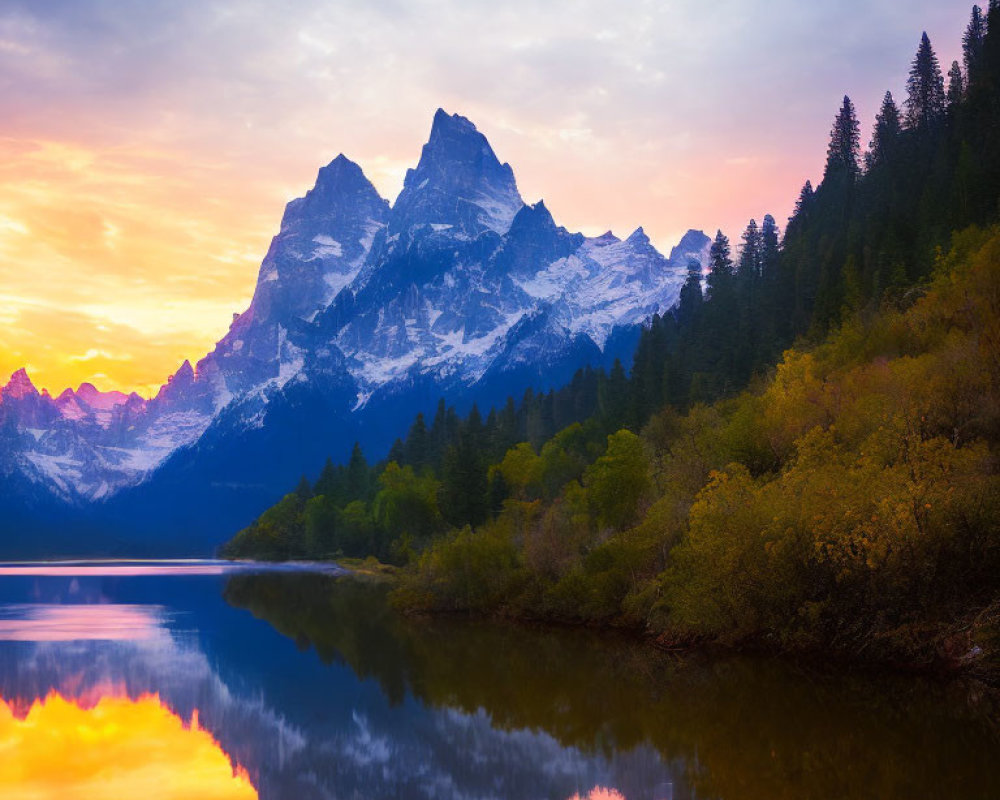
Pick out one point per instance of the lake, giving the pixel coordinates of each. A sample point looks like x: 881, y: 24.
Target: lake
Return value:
x: 211, y: 680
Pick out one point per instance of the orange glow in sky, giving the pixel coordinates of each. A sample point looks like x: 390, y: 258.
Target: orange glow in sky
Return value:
x: 117, y: 749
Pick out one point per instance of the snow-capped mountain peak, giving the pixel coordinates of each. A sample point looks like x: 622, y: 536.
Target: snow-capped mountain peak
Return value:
x: 693, y: 246
x: 458, y: 182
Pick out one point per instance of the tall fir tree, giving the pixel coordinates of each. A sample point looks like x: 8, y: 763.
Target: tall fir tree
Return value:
x: 885, y: 134
x: 803, y: 205
x: 750, y: 252
x: 327, y: 482
x: 689, y: 303
x: 845, y: 143
x: 770, y: 246
x: 956, y: 85
x: 804, y: 200
x: 925, y: 101
x: 721, y: 263
x: 418, y: 444
x: 358, y: 478
x: 972, y: 45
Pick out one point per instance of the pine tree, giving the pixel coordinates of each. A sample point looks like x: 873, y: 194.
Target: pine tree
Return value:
x: 691, y: 298
x: 925, y: 102
x: 804, y: 200
x: 303, y: 491
x: 464, y: 483
x: 612, y: 397
x: 770, y: 246
x: 972, y: 45
x: 358, y: 479
x: 956, y: 85
x: 885, y: 134
x: 326, y: 484
x: 418, y: 445
x: 721, y: 264
x: 750, y: 253
x: 845, y: 143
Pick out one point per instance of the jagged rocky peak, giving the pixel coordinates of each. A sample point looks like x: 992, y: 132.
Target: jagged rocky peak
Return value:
x: 693, y: 246
x: 533, y: 218
x: 324, y: 239
x: 535, y: 240
x: 18, y: 386
x: 178, y: 384
x: 458, y: 182
x: 638, y: 237
x: 97, y: 399
x: 341, y: 191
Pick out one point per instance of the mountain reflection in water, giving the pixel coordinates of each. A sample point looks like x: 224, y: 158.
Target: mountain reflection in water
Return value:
x: 323, y: 690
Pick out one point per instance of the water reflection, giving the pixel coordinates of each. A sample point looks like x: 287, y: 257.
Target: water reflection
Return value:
x: 119, y: 568
x: 115, y: 748
x: 322, y: 690
x: 36, y: 622
x: 733, y: 728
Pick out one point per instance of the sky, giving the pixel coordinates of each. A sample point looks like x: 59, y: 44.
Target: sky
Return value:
x: 147, y: 147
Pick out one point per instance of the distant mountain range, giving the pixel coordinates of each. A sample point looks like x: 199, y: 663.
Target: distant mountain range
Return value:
x: 364, y: 314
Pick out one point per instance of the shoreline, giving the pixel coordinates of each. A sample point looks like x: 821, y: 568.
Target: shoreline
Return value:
x: 818, y: 656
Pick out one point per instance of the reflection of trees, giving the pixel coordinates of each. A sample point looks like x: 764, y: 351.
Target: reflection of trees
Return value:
x: 744, y: 728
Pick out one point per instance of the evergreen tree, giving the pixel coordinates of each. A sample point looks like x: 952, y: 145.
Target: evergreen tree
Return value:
x: 418, y: 445
x: 507, y: 432
x: 327, y: 483
x: 803, y: 205
x: 956, y: 85
x: 612, y: 397
x: 358, y: 478
x: 751, y: 252
x: 925, y: 101
x: 721, y: 262
x: 397, y: 452
x: 303, y: 491
x: 770, y: 247
x: 885, y: 134
x: 845, y: 143
x: 804, y: 200
x: 972, y: 45
x: 691, y: 298
x: 464, y: 484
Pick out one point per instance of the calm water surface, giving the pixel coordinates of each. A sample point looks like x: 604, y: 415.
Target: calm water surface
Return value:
x: 196, y: 679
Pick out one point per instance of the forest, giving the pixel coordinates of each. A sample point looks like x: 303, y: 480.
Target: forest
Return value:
x: 802, y: 455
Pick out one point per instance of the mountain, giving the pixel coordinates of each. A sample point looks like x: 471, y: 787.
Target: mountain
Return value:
x: 363, y: 314
x: 693, y: 246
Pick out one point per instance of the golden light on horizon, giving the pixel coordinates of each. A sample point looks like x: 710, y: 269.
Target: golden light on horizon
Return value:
x: 114, y: 267
x: 117, y: 748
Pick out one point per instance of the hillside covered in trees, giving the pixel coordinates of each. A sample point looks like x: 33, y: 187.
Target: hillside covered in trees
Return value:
x: 802, y: 455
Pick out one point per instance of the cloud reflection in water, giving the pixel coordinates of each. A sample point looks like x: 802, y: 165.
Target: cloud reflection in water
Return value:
x: 35, y: 622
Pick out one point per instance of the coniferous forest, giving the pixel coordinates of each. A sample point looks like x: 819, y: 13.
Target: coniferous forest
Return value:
x: 802, y: 455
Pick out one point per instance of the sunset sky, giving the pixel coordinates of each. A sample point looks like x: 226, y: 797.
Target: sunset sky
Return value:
x: 147, y: 147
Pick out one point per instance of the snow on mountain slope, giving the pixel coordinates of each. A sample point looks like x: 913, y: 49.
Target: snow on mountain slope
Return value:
x: 693, y: 246
x: 359, y: 299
